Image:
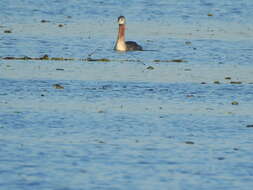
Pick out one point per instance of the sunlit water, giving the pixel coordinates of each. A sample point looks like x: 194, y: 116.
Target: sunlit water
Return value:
x: 117, y: 124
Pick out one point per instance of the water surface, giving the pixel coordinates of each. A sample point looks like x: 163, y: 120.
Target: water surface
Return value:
x: 118, y: 124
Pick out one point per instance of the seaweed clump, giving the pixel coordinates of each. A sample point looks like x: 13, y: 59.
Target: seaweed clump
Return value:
x: 169, y: 61
x: 58, y: 86
x: 97, y: 60
x: 44, y: 57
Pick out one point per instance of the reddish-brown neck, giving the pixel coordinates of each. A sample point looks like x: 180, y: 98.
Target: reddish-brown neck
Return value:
x: 121, y: 34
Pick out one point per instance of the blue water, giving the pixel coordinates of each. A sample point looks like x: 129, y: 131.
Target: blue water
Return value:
x: 142, y: 10
x: 119, y: 134
x: 67, y: 148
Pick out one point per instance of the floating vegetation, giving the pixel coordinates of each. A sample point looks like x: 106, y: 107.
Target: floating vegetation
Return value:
x: 178, y: 61
x: 97, y: 60
x: 220, y: 158
x: 150, y: 68
x: 216, y: 82
x: 235, y: 82
x: 235, y: 103
x: 60, y: 59
x: 88, y: 59
x: 101, y: 142
x: 44, y: 21
x: 44, y: 57
x: 7, y: 31
x: 209, y: 14
x: 189, y: 142
x: 169, y: 61
x: 58, y: 86
x: 130, y: 60
x: 16, y: 58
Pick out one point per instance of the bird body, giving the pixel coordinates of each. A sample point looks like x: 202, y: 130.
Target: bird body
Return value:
x: 121, y: 44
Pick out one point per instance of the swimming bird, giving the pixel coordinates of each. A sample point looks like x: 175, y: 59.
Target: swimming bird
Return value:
x: 121, y: 44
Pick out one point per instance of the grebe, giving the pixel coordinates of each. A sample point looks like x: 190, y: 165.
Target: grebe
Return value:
x: 121, y: 45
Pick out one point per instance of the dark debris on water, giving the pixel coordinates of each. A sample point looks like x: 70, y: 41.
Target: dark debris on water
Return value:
x: 44, y: 57
x: 44, y: 21
x: 58, y: 86
x: 88, y: 59
x: 7, y: 31
x: 235, y: 82
x: 150, y: 68
x: 235, y: 103
x: 189, y: 142
x: 170, y: 61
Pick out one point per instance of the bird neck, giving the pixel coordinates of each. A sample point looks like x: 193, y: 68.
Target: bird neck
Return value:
x: 121, y: 34
x: 120, y: 44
